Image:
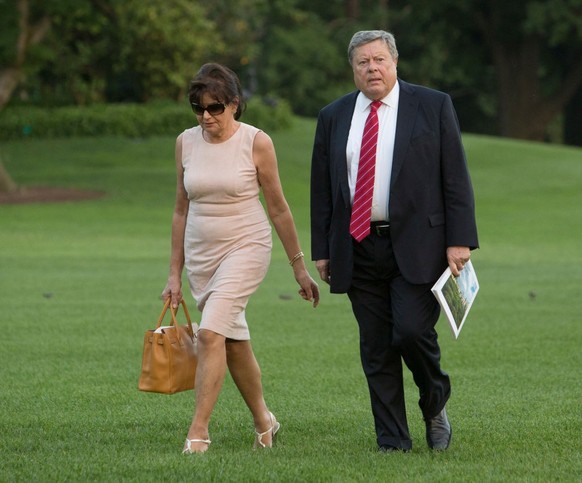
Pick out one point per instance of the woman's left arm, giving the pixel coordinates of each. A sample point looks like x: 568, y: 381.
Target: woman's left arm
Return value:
x: 280, y: 215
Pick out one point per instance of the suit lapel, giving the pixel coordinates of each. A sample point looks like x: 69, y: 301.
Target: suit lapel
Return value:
x: 407, y: 107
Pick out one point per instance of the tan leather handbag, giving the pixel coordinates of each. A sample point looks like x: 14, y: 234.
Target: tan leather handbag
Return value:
x: 169, y: 355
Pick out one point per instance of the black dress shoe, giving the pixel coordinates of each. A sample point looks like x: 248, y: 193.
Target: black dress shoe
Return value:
x: 438, y: 431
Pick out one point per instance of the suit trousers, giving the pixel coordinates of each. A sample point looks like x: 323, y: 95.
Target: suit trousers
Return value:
x: 396, y: 322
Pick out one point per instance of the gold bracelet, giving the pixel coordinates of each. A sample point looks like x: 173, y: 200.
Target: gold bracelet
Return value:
x: 295, y: 258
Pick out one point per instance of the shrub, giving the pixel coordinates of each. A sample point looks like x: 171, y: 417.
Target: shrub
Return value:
x: 126, y: 120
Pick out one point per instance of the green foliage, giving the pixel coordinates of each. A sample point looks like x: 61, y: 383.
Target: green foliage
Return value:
x: 131, y: 120
x: 162, y: 43
x: 268, y: 113
x: 9, y: 32
x: 304, y: 65
x: 144, y: 50
x: 80, y: 283
x: 561, y: 19
x: 504, y: 63
x: 73, y: 63
x: 131, y: 51
x: 128, y: 120
x: 240, y: 26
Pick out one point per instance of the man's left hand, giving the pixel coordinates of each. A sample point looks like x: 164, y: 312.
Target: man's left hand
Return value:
x: 457, y: 257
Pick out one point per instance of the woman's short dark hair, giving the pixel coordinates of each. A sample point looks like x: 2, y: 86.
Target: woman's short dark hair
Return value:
x: 217, y: 81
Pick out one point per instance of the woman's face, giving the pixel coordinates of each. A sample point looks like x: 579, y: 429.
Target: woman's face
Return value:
x: 214, y: 124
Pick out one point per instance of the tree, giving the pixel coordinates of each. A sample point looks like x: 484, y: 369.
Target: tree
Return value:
x: 304, y: 50
x: 163, y: 43
x: 511, y: 67
x: 241, y: 25
x: 573, y: 120
x: 536, y: 49
x: 7, y: 184
x: 529, y: 48
x: 301, y: 62
x: 21, y: 32
x: 102, y: 50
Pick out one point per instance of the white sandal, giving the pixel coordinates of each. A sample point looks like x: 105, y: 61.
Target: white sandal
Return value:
x: 275, y: 426
x: 188, y: 449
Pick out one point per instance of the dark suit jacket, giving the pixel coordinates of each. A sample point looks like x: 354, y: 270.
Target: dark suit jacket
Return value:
x: 431, y: 197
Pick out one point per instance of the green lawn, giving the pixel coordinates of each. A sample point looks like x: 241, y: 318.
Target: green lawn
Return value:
x: 80, y: 283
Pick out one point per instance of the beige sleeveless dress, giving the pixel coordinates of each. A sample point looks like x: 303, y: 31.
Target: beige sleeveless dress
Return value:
x: 227, y: 243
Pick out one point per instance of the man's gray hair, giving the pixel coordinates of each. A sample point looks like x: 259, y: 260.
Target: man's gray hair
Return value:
x: 367, y: 36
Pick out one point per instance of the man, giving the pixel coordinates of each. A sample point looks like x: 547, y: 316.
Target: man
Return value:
x: 387, y: 250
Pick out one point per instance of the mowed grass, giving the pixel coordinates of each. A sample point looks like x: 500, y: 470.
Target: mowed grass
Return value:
x: 80, y: 283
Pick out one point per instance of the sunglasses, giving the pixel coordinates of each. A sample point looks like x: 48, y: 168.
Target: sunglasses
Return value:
x: 213, y: 109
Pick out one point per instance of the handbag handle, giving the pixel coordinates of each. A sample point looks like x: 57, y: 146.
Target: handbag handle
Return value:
x: 173, y: 313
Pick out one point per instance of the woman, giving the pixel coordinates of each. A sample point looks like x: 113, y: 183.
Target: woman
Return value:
x: 221, y: 234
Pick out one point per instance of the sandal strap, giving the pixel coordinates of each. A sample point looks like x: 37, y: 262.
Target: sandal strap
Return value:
x: 190, y: 441
x: 260, y: 436
x: 275, y: 425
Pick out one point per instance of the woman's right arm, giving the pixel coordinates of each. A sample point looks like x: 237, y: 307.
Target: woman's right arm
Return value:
x: 173, y: 288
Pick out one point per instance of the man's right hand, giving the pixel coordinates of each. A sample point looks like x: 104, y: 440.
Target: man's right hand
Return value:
x: 322, y: 267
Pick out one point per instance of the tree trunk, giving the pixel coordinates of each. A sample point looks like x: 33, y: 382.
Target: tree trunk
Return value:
x: 573, y: 120
x: 523, y: 112
x: 28, y: 35
x: 7, y: 184
x: 353, y: 9
x: 518, y: 85
x: 9, y: 80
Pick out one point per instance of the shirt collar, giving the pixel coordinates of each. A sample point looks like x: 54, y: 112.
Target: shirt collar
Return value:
x: 391, y: 100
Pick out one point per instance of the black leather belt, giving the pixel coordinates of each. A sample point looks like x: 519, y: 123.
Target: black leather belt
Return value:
x: 380, y: 228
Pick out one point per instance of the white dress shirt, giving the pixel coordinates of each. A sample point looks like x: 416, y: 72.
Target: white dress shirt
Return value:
x: 387, y: 115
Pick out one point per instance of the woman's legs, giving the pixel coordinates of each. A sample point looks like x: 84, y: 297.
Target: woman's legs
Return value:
x: 209, y: 378
x: 246, y: 374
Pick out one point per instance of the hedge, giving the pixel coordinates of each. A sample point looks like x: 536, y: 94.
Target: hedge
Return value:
x: 126, y: 120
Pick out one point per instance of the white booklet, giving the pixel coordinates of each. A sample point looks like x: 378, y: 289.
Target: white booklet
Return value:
x: 456, y: 295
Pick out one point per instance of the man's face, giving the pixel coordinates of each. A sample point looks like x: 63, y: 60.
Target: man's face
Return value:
x: 374, y: 69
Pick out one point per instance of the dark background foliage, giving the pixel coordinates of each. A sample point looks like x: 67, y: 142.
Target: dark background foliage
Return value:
x: 512, y: 68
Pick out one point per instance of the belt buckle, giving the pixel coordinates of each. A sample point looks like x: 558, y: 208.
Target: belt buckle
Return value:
x: 380, y: 229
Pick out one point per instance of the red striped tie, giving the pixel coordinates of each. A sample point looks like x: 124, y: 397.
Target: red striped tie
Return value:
x: 362, y: 207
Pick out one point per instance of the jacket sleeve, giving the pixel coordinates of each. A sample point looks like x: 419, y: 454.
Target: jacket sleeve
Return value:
x: 461, y: 228
x: 321, y: 196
